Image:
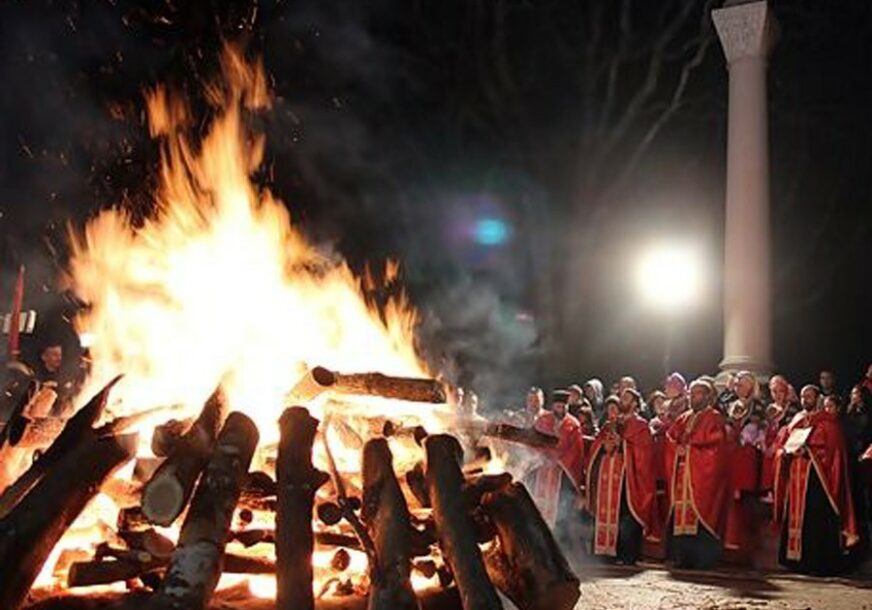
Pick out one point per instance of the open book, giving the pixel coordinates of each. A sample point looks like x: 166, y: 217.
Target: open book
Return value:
x: 796, y: 440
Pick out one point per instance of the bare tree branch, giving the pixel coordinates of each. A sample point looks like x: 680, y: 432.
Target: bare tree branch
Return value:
x: 615, y: 65
x: 676, y: 101
x: 649, y: 85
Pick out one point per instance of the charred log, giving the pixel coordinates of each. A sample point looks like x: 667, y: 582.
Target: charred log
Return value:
x: 30, y: 531
x: 387, y: 517
x: 135, y: 565
x: 196, y: 563
x: 34, y: 433
x: 319, y: 379
x: 417, y: 484
x: 166, y: 494
x: 524, y: 436
x: 298, y: 480
x: 454, y: 526
x: 77, y: 429
x: 526, y: 563
x: 168, y: 435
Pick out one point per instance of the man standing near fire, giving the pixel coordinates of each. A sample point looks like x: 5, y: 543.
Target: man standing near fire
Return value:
x: 557, y: 483
x: 698, y: 482
x: 621, y: 484
x: 813, y: 501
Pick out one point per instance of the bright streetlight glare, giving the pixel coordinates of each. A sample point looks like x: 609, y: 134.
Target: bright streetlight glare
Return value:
x: 670, y: 277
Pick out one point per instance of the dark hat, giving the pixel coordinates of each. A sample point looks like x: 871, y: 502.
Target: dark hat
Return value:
x: 560, y: 396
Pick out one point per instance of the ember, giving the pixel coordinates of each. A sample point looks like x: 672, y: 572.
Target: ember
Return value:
x: 165, y: 492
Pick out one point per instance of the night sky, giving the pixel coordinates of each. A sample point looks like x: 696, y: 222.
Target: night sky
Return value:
x: 473, y: 141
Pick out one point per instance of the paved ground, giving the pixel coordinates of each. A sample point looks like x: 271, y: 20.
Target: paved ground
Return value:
x: 617, y: 588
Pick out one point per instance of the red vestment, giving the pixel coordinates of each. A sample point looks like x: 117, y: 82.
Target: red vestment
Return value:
x: 565, y: 459
x: 774, y: 426
x: 698, y: 482
x: 825, y: 453
x: 744, y: 461
x: 633, y: 464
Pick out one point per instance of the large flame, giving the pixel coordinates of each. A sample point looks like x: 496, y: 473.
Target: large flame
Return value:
x: 217, y: 287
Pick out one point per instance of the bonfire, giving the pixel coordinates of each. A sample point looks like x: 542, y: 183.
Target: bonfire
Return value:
x: 253, y: 431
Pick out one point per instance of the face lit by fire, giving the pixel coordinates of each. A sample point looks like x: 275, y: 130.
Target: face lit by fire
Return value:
x: 827, y: 380
x: 535, y: 400
x: 52, y: 357
x: 658, y: 403
x: 700, y: 396
x: 674, y: 386
x: 745, y: 386
x: 808, y: 398
x: 558, y: 407
x: 612, y: 409
x: 629, y: 403
x: 779, y: 390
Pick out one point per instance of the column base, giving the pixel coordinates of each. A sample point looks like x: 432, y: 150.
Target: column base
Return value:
x: 761, y: 368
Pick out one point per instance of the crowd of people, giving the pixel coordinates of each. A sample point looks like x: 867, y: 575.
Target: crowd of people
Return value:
x: 706, y: 472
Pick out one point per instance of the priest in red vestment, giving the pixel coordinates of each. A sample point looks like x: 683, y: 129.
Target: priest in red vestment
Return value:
x: 747, y: 436
x: 813, y: 503
x: 621, y: 484
x: 698, y: 479
x: 556, y: 484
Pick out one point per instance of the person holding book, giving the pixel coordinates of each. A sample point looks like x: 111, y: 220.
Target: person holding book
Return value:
x: 813, y: 503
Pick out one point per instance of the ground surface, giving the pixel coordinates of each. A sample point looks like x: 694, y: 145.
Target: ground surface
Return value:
x: 616, y: 588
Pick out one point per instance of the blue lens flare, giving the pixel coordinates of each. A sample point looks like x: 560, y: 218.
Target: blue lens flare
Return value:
x: 491, y: 231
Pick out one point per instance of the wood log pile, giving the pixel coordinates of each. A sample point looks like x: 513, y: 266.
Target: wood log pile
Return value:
x: 480, y: 534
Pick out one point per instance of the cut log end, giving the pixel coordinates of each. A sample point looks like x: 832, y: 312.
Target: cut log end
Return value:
x: 163, y: 500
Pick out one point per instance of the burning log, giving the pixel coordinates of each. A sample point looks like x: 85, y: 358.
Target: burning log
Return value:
x: 167, y: 492
x: 417, y: 484
x: 320, y: 379
x: 526, y: 563
x: 138, y: 563
x: 298, y: 480
x: 30, y: 531
x: 125, y: 494
x: 125, y: 422
x: 475, y: 488
x: 387, y: 517
x: 524, y: 436
x: 196, y: 564
x: 417, y: 433
x: 168, y: 436
x: 456, y: 531
x: 329, y: 513
x: 77, y: 429
x: 35, y: 433
x: 89, y: 573
x: 150, y: 541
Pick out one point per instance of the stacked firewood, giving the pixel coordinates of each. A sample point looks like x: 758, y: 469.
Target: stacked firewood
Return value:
x: 479, y: 533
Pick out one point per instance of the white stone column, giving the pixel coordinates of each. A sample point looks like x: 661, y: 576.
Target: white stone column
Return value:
x: 746, y: 31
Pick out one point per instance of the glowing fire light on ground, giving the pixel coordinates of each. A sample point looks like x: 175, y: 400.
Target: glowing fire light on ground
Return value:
x: 218, y: 287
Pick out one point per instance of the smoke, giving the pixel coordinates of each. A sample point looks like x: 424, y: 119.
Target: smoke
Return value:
x: 486, y: 343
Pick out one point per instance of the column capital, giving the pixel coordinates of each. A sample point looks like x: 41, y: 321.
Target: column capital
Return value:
x: 746, y: 29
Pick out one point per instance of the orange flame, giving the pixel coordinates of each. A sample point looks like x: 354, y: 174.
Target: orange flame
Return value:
x: 218, y: 287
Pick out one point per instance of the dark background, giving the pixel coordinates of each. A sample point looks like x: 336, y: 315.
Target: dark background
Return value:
x: 399, y: 124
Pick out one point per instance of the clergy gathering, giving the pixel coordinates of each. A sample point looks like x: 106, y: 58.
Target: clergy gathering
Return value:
x: 700, y: 472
